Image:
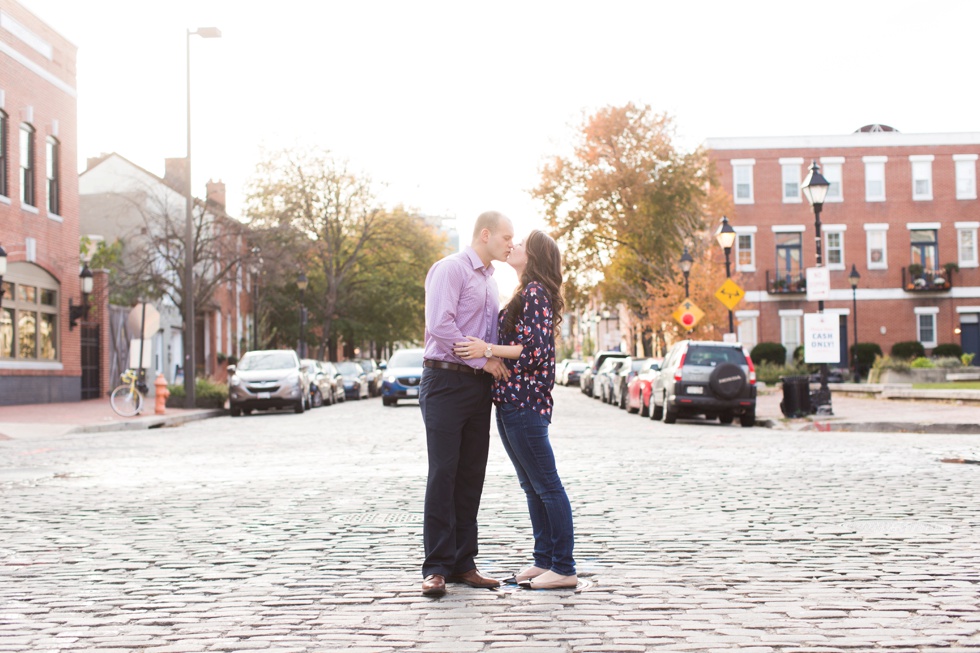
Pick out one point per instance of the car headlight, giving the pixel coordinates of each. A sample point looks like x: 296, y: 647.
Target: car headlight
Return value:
x: 390, y: 378
x: 234, y: 380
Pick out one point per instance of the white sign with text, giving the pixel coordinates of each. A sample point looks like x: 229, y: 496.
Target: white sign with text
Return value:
x: 821, y: 338
x: 817, y: 284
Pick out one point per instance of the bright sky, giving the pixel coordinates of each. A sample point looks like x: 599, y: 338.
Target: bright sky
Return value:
x: 455, y: 105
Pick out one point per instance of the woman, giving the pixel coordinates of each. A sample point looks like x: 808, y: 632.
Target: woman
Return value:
x: 527, y: 335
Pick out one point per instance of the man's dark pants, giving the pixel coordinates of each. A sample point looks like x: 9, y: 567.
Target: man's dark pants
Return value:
x: 456, y: 411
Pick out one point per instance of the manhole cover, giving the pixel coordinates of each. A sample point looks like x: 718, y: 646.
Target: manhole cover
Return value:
x: 379, y: 518
x: 898, y: 527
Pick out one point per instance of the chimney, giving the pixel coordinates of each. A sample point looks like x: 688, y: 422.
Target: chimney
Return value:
x: 216, y: 193
x: 175, y: 174
x: 93, y: 161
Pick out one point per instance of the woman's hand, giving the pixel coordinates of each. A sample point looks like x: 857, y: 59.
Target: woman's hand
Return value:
x: 473, y: 348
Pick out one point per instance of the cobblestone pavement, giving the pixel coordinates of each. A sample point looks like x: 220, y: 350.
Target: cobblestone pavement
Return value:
x: 296, y: 533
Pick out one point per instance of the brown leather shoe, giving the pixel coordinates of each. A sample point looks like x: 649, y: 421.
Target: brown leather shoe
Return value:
x: 434, y: 585
x: 474, y: 578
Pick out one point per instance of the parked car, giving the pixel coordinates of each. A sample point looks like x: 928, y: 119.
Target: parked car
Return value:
x: 402, y: 376
x: 588, y: 374
x: 602, y: 386
x: 375, y: 376
x: 560, y: 369
x: 263, y: 379
x: 639, y: 386
x: 336, y: 381
x: 714, y: 379
x: 573, y: 372
x: 355, y: 379
x: 321, y: 386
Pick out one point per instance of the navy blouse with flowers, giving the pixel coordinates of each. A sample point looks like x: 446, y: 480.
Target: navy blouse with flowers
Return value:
x: 532, y: 376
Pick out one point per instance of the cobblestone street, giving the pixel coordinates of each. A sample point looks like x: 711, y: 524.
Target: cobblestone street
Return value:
x: 295, y: 533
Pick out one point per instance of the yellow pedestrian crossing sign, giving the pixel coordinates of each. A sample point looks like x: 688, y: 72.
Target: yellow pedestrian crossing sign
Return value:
x: 730, y: 294
x: 688, y: 314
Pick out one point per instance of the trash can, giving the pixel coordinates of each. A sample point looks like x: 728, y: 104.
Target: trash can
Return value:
x: 796, y: 396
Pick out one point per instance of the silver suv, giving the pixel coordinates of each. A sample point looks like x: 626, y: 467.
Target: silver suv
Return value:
x: 270, y: 378
x: 714, y: 379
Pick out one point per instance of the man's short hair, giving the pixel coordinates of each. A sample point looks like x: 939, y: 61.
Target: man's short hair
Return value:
x: 488, y: 220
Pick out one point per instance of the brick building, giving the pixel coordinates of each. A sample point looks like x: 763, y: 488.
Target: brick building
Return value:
x: 40, y: 355
x: 902, y: 209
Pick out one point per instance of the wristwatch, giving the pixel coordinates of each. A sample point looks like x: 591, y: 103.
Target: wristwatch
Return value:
x: 489, y: 352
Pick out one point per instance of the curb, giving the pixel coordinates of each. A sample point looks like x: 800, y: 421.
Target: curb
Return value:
x: 144, y: 423
x: 879, y: 427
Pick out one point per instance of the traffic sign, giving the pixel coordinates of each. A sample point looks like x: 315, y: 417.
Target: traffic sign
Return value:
x: 730, y: 294
x: 688, y: 314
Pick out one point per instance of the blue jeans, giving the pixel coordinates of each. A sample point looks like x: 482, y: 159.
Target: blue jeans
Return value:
x: 524, y: 433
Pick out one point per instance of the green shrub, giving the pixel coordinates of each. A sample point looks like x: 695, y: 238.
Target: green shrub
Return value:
x: 967, y: 359
x: 866, y: 352
x: 908, y: 350
x: 768, y: 352
x: 771, y: 374
x: 883, y: 363
x: 207, y: 394
x: 922, y: 363
x: 948, y: 363
x: 950, y: 349
x: 799, y: 354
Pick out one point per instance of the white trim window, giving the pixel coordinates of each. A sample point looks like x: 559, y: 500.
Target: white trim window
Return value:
x: 743, y: 187
x: 921, y: 176
x: 925, y: 325
x: 832, y: 168
x: 966, y: 244
x: 745, y: 249
x: 833, y: 246
x: 747, y: 325
x: 966, y: 176
x: 790, y: 327
x: 791, y: 180
x: 876, y: 235
x: 874, y: 178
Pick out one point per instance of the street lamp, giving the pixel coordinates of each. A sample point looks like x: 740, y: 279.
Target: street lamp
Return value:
x: 854, y: 277
x: 815, y: 187
x: 686, y: 263
x: 256, y: 270
x: 302, y: 282
x: 3, y: 270
x: 189, y: 321
x: 75, y: 313
x: 726, y: 238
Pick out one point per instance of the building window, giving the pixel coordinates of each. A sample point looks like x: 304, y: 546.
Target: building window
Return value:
x: 748, y: 328
x: 966, y: 244
x: 925, y: 248
x: 877, y: 237
x: 790, y: 326
x: 833, y: 241
x: 832, y: 170
x: 789, y: 255
x: 874, y: 178
x: 742, y: 175
x: 921, y: 176
x: 54, y: 181
x: 29, y: 319
x: 966, y: 176
x: 791, y: 180
x: 925, y: 323
x: 3, y: 155
x: 745, y: 249
x: 27, y: 164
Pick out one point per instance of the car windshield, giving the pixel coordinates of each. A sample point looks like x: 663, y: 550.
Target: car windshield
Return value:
x: 349, y: 368
x: 366, y: 365
x: 406, y: 359
x: 273, y: 360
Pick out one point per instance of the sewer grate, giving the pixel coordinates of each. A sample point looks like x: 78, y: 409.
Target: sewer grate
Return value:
x: 379, y: 518
x: 898, y: 527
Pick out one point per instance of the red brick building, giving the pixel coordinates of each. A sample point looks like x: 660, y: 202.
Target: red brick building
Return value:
x: 40, y: 356
x: 902, y: 210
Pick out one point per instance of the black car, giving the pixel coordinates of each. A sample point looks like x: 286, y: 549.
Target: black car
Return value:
x: 355, y: 380
x: 714, y: 379
x: 573, y: 373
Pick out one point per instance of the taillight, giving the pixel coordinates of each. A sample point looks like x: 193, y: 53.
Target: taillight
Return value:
x: 678, y: 372
x: 748, y: 359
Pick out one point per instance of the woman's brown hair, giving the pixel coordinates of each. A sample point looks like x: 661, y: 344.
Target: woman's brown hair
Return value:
x: 543, y: 266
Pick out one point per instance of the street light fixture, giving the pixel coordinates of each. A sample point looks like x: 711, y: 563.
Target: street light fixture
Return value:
x: 686, y: 263
x: 726, y: 238
x: 302, y: 282
x: 189, y: 318
x: 854, y: 277
x: 76, y: 313
x: 815, y: 187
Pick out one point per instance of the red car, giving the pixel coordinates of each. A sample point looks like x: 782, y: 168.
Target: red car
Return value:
x: 638, y: 388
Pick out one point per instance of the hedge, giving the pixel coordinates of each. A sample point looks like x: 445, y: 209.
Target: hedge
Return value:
x: 769, y: 352
x: 908, y: 350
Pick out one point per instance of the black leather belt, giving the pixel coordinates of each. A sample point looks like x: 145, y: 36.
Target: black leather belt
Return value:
x: 443, y: 365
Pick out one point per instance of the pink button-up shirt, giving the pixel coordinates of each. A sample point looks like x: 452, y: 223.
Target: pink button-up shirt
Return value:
x: 461, y: 300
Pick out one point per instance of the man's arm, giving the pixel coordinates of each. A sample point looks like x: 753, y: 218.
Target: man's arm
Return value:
x: 442, y: 291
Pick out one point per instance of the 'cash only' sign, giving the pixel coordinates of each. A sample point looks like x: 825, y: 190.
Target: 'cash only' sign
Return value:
x: 821, y: 338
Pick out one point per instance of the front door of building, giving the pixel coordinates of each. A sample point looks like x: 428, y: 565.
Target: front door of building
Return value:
x: 970, y: 335
x: 90, y: 361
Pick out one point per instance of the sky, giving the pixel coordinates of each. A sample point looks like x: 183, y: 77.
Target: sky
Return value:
x: 453, y: 107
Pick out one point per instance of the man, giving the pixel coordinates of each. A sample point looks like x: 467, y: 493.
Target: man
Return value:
x: 461, y: 300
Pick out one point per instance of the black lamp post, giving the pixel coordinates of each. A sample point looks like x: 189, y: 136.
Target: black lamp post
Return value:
x: 815, y: 187
x: 854, y: 277
x: 726, y: 238
x: 76, y: 313
x: 686, y: 263
x: 3, y: 270
x: 302, y: 282
x: 256, y: 270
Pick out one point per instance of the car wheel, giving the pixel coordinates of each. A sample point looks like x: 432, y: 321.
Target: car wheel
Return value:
x: 622, y: 399
x: 727, y: 381
x: 669, y: 412
x: 656, y: 412
x: 316, y: 399
x: 748, y: 418
x: 246, y: 411
x: 726, y: 418
x: 300, y: 406
x: 235, y: 411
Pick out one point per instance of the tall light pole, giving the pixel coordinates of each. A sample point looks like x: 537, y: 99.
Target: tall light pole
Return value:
x: 256, y: 270
x: 726, y: 238
x: 302, y: 282
x: 815, y: 187
x: 189, y: 319
x: 686, y: 263
x: 854, y: 277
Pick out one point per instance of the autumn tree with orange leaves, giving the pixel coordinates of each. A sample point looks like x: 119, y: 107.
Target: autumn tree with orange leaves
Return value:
x: 623, y: 205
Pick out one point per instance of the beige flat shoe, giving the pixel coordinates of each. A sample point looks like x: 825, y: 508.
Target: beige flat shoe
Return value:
x: 528, y: 574
x: 549, y: 580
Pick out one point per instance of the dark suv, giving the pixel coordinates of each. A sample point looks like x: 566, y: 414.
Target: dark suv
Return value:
x: 714, y: 379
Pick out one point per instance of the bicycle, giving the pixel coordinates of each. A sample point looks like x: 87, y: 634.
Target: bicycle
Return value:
x: 128, y: 399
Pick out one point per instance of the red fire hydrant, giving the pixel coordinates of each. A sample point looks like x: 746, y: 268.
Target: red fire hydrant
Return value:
x: 162, y: 393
